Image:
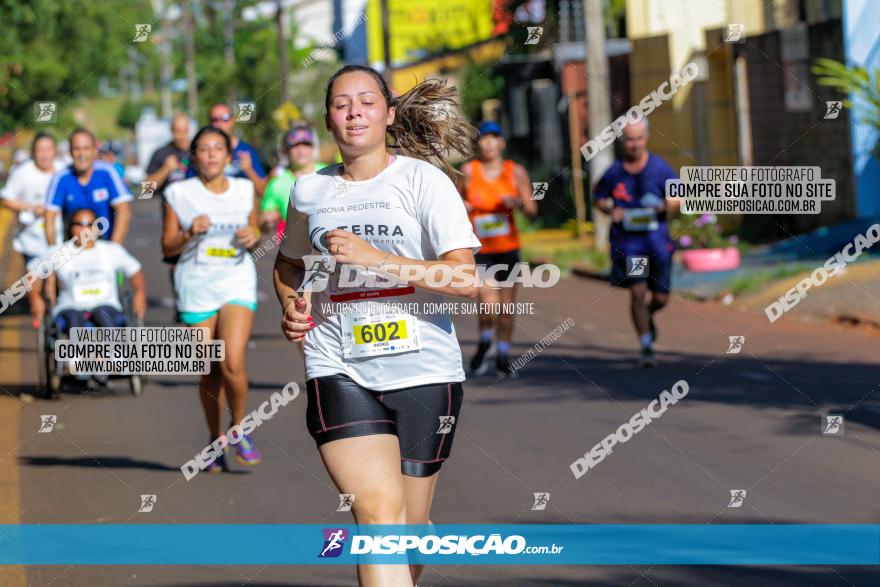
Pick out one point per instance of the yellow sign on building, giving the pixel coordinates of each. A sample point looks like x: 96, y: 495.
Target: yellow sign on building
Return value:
x: 419, y: 28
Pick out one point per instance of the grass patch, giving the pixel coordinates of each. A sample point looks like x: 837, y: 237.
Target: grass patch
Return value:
x: 558, y: 246
x: 567, y: 257
x: 754, y: 282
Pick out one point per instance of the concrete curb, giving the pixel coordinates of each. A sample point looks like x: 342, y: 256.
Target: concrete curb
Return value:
x: 10, y: 415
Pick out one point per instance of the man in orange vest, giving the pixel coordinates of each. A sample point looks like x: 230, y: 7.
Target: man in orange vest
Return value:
x: 492, y: 188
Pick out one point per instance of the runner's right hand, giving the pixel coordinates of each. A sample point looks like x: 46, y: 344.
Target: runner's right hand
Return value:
x: 296, y: 322
x: 617, y: 215
x: 201, y: 224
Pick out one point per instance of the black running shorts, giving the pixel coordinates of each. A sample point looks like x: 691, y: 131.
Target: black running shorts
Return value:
x: 508, y: 259
x: 423, y: 418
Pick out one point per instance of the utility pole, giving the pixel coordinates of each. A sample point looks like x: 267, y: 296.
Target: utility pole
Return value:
x: 134, y: 82
x: 192, y: 96
x: 577, y: 167
x: 165, y: 70
x: 228, y: 44
x: 149, y: 81
x: 386, y: 42
x: 282, y: 52
x: 599, y: 105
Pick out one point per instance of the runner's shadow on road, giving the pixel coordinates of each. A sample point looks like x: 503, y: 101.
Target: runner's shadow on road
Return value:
x: 706, y: 576
x: 75, y: 389
x: 807, y: 386
x: 95, y: 462
x: 251, y: 386
x: 17, y: 389
x: 267, y: 336
x: 238, y: 584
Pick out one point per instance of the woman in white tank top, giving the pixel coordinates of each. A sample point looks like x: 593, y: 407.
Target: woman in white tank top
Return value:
x: 211, y: 222
x: 383, y: 379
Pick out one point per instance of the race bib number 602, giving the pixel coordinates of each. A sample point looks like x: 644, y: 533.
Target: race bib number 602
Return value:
x: 381, y: 334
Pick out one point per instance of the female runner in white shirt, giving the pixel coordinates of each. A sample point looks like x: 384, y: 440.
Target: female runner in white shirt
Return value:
x: 210, y: 221
x: 383, y: 378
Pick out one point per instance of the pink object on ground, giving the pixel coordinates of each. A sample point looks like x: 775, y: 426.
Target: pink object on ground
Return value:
x: 711, y: 259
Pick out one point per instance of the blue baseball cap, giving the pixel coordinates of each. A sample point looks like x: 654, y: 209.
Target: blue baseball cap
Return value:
x: 298, y: 136
x: 490, y: 127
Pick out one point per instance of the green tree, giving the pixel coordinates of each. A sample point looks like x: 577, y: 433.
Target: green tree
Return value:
x: 479, y: 83
x: 57, y: 51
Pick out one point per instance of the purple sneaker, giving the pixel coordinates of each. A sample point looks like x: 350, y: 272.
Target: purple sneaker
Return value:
x: 246, y: 451
x: 218, y: 465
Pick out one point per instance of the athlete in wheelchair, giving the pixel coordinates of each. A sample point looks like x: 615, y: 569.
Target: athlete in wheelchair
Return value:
x: 84, y: 292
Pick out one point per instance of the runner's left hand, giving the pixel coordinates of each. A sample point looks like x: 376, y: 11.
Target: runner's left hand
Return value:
x: 351, y: 249
x: 247, y: 236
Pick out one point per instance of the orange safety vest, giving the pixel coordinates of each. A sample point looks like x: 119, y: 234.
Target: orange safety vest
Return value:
x: 492, y: 220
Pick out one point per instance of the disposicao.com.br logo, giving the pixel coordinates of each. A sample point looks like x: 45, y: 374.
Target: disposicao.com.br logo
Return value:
x: 334, y: 541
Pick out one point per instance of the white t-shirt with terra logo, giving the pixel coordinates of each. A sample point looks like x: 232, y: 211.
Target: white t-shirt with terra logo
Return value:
x: 88, y: 279
x: 410, y: 209
x: 213, y: 269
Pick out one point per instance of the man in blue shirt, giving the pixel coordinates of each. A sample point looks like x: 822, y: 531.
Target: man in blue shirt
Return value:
x: 633, y: 192
x: 245, y: 160
x: 91, y: 184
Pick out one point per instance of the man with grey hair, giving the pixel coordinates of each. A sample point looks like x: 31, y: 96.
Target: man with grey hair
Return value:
x: 169, y: 163
x: 633, y: 192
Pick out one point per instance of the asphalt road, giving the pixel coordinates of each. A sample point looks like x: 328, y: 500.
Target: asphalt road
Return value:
x: 750, y: 421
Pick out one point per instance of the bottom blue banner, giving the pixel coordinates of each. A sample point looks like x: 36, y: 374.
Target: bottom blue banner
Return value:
x: 539, y: 544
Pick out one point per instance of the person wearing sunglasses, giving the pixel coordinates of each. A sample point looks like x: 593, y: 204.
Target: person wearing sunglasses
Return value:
x: 299, y: 145
x: 245, y: 162
x: 84, y: 289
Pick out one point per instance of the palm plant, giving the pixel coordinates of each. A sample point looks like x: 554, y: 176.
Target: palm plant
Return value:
x: 854, y: 81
